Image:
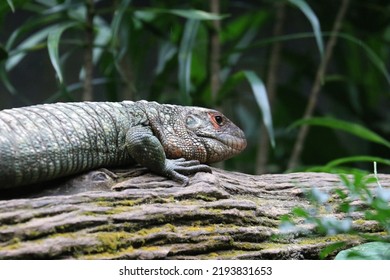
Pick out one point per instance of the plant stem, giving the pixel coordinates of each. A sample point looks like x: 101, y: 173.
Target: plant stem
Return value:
x: 215, y: 54
x: 215, y: 51
x: 302, y: 134
x: 263, y: 150
x: 88, y: 54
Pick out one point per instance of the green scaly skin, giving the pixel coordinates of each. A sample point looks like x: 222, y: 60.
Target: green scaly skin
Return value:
x: 44, y: 142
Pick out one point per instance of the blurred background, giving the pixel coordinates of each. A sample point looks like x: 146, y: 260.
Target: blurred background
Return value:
x: 308, y: 81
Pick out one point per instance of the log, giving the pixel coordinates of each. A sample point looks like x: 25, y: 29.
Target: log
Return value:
x: 133, y: 214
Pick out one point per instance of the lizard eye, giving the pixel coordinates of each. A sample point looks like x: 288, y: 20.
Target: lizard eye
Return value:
x: 218, y: 119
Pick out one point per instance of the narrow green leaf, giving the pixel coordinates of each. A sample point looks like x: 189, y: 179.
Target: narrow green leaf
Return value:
x: 230, y: 83
x: 165, y: 53
x: 185, y: 57
x: 379, y: 63
x: 187, y: 14
x: 117, y: 20
x: 372, y: 56
x: 349, y: 127
x: 11, y: 4
x: 241, y: 32
x: 27, y: 45
x: 261, y: 96
x: 73, y: 8
x: 344, y: 160
x: 4, y: 78
x: 234, y: 57
x: 102, y: 37
x: 311, y: 16
x: 194, y: 14
x: 48, y: 3
x: 53, y: 41
x: 29, y: 30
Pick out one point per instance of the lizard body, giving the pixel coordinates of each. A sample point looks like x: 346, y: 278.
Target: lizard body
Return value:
x: 43, y: 142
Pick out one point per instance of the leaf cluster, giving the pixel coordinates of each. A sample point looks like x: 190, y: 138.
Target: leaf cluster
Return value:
x: 358, y: 201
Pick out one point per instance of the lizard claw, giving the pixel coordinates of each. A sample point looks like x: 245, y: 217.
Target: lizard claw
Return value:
x: 176, y: 169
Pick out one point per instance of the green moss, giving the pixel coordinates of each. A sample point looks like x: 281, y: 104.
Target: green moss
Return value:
x: 153, y: 230
x: 151, y: 248
x: 69, y: 235
x: 35, y: 233
x: 112, y: 241
x: 171, y: 227
x: 266, y: 221
x: 13, y: 244
x: 329, y: 239
x: 359, y: 221
x: 213, y: 255
x: 115, y: 203
x: 128, y: 202
x: 109, y: 255
x: 210, y: 228
x: 205, y: 197
x: 119, y: 209
x: 90, y: 213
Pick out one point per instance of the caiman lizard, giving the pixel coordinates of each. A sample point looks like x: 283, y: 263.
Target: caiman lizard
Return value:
x: 43, y: 142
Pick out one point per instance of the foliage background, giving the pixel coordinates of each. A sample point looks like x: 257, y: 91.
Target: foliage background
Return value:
x: 214, y: 54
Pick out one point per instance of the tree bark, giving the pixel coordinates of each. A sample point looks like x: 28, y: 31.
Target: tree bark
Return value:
x: 138, y: 215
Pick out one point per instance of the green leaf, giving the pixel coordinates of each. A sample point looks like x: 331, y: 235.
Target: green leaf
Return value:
x: 4, y: 78
x: 340, y: 161
x: 117, y: 20
x: 311, y: 16
x: 375, y: 59
x: 372, y: 56
x: 53, y: 41
x: 300, y: 212
x: 367, y: 251
x: 190, y: 14
x: 185, y: 57
x: 331, y: 248
x: 29, y: 30
x: 240, y: 32
x: 231, y: 82
x: 166, y: 51
x: 349, y: 127
x: 27, y: 45
x: 234, y: 57
x: 261, y: 96
x: 102, y: 37
x: 11, y: 4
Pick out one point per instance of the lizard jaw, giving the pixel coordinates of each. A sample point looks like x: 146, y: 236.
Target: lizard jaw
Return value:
x: 223, y: 146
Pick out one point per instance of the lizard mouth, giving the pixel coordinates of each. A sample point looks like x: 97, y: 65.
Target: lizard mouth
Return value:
x: 223, y: 146
x: 233, y: 142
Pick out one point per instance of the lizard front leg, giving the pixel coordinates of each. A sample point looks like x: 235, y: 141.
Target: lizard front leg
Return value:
x: 146, y: 149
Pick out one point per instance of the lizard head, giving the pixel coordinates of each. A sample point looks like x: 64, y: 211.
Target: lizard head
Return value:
x: 220, y: 137
x: 198, y: 133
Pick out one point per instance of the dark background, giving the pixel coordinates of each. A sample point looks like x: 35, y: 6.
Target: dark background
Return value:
x: 355, y: 87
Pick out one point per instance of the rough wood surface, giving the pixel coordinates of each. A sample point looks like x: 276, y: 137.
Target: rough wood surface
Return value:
x: 138, y: 215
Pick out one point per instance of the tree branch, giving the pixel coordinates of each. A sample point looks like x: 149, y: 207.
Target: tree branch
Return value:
x: 302, y: 134
x: 215, y: 51
x: 134, y: 214
x: 263, y: 150
x: 88, y: 53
